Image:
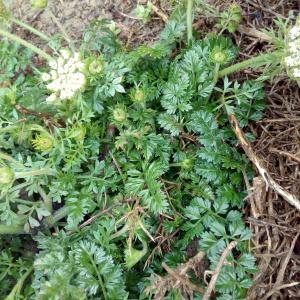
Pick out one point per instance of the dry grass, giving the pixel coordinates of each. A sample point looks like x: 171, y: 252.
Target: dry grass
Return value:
x: 275, y: 223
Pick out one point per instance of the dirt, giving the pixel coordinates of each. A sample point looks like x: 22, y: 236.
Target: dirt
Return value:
x: 74, y: 15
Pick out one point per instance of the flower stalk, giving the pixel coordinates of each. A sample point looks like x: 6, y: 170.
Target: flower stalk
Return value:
x: 57, y: 216
x: 43, y: 171
x: 31, y: 29
x: 26, y: 44
x: 11, y: 229
x: 254, y: 62
x: 189, y: 20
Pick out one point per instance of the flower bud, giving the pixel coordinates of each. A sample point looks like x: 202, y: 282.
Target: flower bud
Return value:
x: 6, y: 175
x: 219, y: 56
x: 187, y: 164
x: 39, y: 4
x: 96, y: 67
x: 138, y: 96
x: 43, y: 142
x: 120, y: 114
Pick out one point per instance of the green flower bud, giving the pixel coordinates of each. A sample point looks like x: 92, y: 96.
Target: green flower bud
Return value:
x: 43, y: 142
x: 6, y: 175
x: 219, y: 56
x: 39, y: 4
x: 187, y: 164
x: 120, y: 114
x: 138, y: 96
x: 96, y: 66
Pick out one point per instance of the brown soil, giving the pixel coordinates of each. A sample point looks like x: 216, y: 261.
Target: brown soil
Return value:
x: 74, y: 15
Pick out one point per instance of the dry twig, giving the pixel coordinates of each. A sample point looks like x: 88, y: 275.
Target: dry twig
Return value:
x: 160, y: 13
x: 217, y: 271
x: 290, y: 198
x: 177, y: 277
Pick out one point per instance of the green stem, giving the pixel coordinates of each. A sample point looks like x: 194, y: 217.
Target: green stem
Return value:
x: 189, y: 20
x: 7, y: 157
x: 44, y: 171
x: 49, y: 222
x: 57, y: 216
x: 30, y: 28
x: 26, y: 44
x: 62, y: 29
x: 98, y: 275
x: 15, y: 292
x: 11, y: 229
x: 216, y: 72
x: 254, y: 62
x: 46, y: 198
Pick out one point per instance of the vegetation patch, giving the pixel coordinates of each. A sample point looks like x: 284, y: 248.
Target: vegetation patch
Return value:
x: 120, y: 171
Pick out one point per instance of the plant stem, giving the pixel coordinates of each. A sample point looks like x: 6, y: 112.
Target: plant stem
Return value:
x: 26, y: 44
x: 30, y: 28
x: 46, y: 198
x: 11, y: 229
x: 189, y: 20
x: 254, y: 62
x: 101, y: 283
x: 15, y: 292
x: 43, y: 171
x: 7, y: 157
x: 62, y: 29
x: 49, y: 222
x: 57, y: 216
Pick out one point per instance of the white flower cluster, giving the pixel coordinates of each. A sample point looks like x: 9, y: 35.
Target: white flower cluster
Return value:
x: 66, y: 76
x: 292, y: 60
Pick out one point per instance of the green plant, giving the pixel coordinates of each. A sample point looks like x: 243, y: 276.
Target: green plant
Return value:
x: 117, y: 175
x: 144, y: 12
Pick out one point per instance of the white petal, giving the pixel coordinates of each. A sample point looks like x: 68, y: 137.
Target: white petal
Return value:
x: 51, y: 98
x: 46, y: 77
